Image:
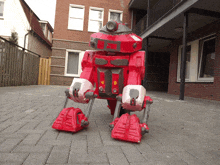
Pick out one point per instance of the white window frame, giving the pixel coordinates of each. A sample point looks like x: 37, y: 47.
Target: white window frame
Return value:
x: 195, y: 63
x: 2, y: 17
x: 204, y: 79
x: 193, y: 71
x: 115, y: 11
x: 81, y: 53
x: 94, y: 8
x: 76, y: 6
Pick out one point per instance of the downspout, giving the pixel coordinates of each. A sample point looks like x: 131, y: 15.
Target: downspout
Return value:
x: 25, y: 39
x: 22, y: 62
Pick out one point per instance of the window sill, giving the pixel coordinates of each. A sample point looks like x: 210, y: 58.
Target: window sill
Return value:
x: 75, y: 30
x: 198, y: 82
x: 71, y: 75
x: 92, y: 31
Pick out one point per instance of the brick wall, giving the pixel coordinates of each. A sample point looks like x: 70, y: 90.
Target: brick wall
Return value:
x: 35, y: 44
x: 64, y: 38
x: 62, y: 13
x: 203, y: 90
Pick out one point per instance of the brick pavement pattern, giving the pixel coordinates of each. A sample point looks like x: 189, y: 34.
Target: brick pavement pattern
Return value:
x: 181, y: 132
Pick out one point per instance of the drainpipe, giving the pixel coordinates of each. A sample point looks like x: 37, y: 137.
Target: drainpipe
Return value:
x: 25, y: 39
x: 22, y: 62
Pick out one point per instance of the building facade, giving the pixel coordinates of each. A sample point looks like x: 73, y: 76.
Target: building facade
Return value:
x: 75, y: 21
x: 185, y: 35
x: 17, y: 16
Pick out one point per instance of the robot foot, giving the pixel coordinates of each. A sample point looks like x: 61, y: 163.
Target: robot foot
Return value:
x: 70, y: 119
x: 128, y: 128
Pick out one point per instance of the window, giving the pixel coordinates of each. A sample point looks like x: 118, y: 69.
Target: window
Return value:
x: 200, y: 60
x: 1, y: 9
x: 207, y: 59
x: 76, y: 17
x: 73, y: 63
x: 95, y: 19
x: 115, y: 15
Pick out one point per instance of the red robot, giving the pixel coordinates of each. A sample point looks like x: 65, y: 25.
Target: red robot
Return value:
x: 114, y: 72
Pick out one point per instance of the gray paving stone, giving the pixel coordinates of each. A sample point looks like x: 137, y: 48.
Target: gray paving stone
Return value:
x: 104, y: 149
x: 9, y: 144
x: 31, y: 139
x: 32, y: 148
x: 50, y: 135
x: 94, y: 140
x: 59, y: 154
x: 13, y: 128
x: 54, y: 142
x: 117, y: 158
x: 79, y: 146
x: 87, y: 158
x: 2, y: 140
x: 132, y: 154
x: 12, y: 157
x: 180, y: 132
x: 36, y: 159
x: 69, y: 164
x: 13, y: 135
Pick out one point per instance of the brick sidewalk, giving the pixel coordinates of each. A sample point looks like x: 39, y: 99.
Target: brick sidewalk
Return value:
x: 181, y: 132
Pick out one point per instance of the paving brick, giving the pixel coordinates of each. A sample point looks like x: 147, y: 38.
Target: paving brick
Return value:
x: 105, y: 149
x: 132, y: 154
x: 117, y: 158
x: 32, y: 148
x: 31, y: 139
x: 9, y: 144
x: 94, y: 140
x: 79, y: 146
x: 2, y: 140
x: 50, y: 135
x: 13, y: 135
x: 59, y: 154
x: 12, y: 157
x: 54, y: 142
x: 36, y: 159
x: 87, y: 158
x: 13, y: 128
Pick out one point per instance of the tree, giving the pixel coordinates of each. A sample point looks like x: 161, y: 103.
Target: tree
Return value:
x: 14, y: 37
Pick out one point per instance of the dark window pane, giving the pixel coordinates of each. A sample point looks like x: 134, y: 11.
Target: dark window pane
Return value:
x: 208, y: 59
x: 73, y: 62
x: 115, y: 16
x: 1, y: 8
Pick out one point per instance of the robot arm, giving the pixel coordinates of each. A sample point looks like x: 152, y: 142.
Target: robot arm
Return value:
x: 80, y: 86
x: 134, y: 93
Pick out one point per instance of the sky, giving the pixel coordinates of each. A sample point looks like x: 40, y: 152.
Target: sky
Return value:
x: 44, y: 9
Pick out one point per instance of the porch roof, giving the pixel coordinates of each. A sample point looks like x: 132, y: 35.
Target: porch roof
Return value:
x: 165, y: 26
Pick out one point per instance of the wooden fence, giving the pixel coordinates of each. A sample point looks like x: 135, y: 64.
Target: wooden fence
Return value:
x: 17, y: 66
x: 44, y: 71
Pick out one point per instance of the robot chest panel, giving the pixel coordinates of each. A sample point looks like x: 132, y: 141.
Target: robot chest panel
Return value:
x: 110, y: 81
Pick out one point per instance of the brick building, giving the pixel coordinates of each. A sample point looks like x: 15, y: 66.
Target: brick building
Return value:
x: 169, y: 28
x: 172, y: 29
x: 75, y: 21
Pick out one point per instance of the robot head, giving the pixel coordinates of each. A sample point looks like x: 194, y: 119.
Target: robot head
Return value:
x: 116, y: 37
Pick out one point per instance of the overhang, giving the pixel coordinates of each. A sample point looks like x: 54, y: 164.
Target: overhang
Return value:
x: 166, y: 25
x: 141, y: 4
